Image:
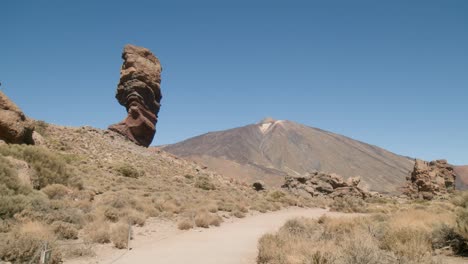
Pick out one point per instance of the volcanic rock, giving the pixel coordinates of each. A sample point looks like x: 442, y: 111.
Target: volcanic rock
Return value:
x: 139, y: 90
x: 14, y: 126
x: 430, y: 179
x: 324, y: 184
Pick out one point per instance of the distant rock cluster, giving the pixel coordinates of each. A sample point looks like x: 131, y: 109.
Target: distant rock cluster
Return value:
x: 324, y: 184
x: 139, y: 90
x: 430, y: 179
x: 14, y: 126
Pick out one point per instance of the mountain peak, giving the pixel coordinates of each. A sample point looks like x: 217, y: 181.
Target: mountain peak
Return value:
x: 267, y: 120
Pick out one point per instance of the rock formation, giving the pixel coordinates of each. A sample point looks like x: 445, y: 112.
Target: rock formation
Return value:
x: 430, y: 179
x: 14, y: 126
x: 323, y: 184
x: 139, y: 90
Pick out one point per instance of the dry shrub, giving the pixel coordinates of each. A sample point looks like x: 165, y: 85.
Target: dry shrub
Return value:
x: 23, y: 244
x: 78, y: 250
x: 205, y: 219
x: 401, y: 238
x: 204, y: 183
x: 185, y: 224
x: 56, y: 191
x: 49, y: 167
x: 129, y: 171
x: 348, y: 204
x: 135, y: 218
x: 65, y: 230
x: 98, y: 232
x: 238, y: 214
x: 119, y: 235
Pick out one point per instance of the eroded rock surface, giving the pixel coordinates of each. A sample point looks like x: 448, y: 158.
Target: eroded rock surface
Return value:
x: 324, y: 184
x: 139, y: 90
x: 431, y: 179
x: 14, y: 126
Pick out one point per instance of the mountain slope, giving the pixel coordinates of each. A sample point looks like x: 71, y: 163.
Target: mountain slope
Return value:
x: 271, y: 149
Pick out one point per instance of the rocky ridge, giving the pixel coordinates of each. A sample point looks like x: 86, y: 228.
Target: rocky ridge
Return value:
x: 324, y: 184
x: 14, y: 125
x: 431, y: 179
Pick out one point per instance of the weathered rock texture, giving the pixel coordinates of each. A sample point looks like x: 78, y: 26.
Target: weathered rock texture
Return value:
x: 14, y: 126
x: 431, y: 179
x: 323, y: 184
x: 139, y: 90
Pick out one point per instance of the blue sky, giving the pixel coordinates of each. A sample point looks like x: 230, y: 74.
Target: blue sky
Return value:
x: 390, y: 73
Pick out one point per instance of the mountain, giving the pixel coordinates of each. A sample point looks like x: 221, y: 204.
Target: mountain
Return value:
x: 271, y: 149
x: 462, y: 177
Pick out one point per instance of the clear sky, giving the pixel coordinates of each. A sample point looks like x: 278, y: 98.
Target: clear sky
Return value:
x: 390, y: 73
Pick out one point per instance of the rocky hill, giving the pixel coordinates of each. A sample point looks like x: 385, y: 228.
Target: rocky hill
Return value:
x: 86, y: 185
x: 272, y: 149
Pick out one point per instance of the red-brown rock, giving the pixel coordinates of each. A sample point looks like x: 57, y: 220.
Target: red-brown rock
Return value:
x: 139, y: 90
x: 431, y: 179
x: 14, y: 126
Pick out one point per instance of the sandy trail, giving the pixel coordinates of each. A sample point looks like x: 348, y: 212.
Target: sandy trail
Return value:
x: 231, y: 243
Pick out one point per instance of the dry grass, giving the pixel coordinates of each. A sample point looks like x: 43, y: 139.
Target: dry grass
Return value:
x: 206, y: 219
x: 98, y: 232
x: 119, y: 235
x: 185, y: 224
x: 25, y: 241
x: 412, y: 234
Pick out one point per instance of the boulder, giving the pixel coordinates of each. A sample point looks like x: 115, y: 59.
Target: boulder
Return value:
x: 258, y: 186
x: 139, y: 90
x: 324, y: 184
x: 14, y: 126
x: 430, y: 180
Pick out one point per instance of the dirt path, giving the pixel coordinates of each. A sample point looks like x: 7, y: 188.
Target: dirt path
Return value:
x: 234, y: 242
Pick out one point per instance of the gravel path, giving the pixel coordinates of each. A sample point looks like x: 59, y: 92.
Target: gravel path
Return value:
x: 231, y: 243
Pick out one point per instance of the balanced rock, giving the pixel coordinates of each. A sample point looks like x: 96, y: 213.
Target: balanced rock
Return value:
x: 14, y: 126
x: 139, y: 90
x: 430, y: 179
x: 324, y: 184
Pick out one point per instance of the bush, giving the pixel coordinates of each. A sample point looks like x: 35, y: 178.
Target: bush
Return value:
x: 49, y: 167
x: 205, y: 219
x: 24, y: 243
x: 204, y: 183
x: 119, y: 235
x: 98, y: 232
x: 185, y: 224
x: 56, y: 191
x: 129, y: 171
x: 349, y: 205
x: 65, y: 230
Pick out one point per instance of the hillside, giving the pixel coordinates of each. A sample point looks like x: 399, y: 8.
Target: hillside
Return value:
x: 86, y: 185
x: 272, y: 149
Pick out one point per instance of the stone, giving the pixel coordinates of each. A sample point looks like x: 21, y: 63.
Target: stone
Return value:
x: 430, y: 180
x: 258, y: 186
x: 15, y: 128
x: 139, y: 90
x: 324, y: 184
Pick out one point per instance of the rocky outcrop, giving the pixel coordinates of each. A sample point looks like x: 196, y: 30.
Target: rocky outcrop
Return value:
x: 14, y: 126
x: 323, y: 184
x: 430, y: 179
x: 139, y: 90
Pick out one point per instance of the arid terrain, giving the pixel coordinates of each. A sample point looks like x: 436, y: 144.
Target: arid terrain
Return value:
x: 272, y: 149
